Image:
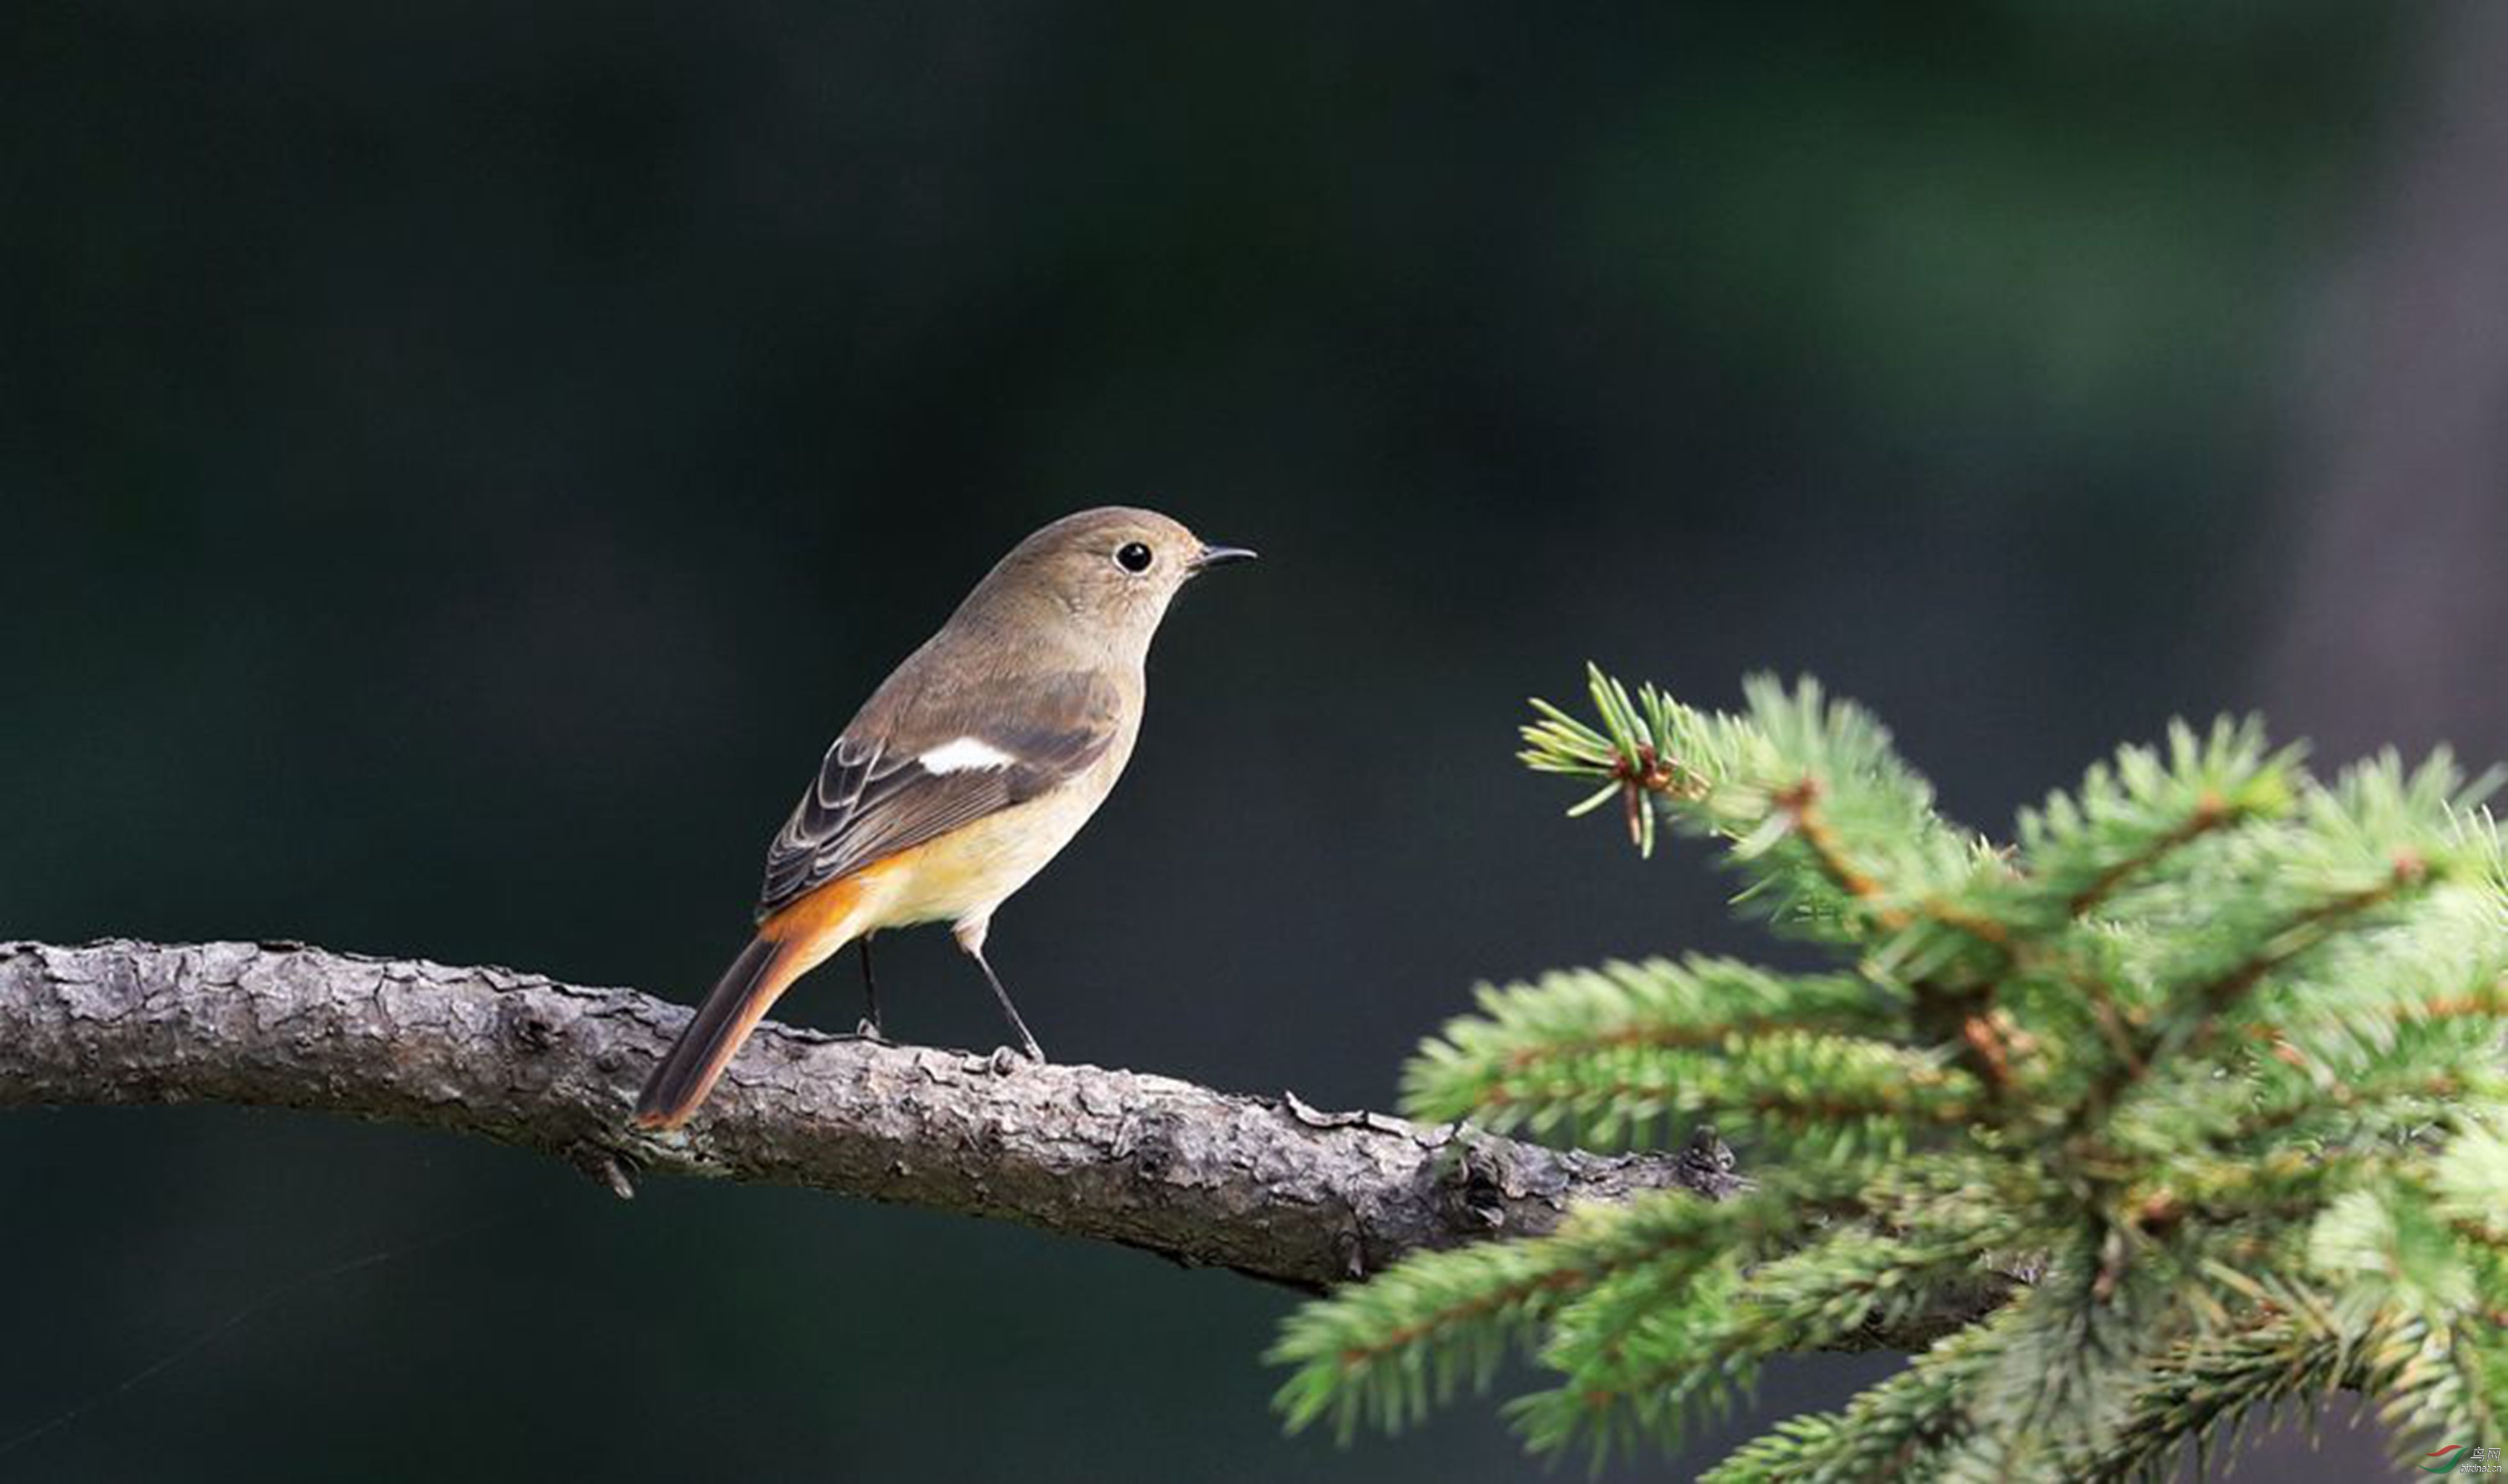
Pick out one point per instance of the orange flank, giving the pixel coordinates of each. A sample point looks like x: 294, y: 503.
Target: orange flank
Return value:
x: 821, y: 912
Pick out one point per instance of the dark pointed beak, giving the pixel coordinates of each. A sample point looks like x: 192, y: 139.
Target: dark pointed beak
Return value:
x: 1220, y: 556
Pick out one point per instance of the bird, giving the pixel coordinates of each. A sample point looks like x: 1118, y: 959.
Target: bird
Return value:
x: 967, y: 771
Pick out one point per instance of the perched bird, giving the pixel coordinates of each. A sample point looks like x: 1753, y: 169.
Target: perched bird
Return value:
x: 963, y: 773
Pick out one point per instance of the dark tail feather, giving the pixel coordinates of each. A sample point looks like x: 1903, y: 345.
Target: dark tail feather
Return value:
x: 740, y: 999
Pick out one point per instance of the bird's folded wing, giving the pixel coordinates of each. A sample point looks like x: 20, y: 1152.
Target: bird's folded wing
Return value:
x: 903, y: 777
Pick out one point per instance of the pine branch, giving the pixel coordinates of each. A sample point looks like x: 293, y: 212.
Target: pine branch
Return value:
x: 1388, y: 1350
x: 2211, y: 1385
x: 2210, y: 1056
x: 1642, y: 1356
x: 1269, y: 1187
x: 2208, y: 815
x: 1886, y: 1433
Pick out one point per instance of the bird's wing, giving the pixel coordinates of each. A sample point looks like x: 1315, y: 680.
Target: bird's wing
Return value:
x: 904, y: 776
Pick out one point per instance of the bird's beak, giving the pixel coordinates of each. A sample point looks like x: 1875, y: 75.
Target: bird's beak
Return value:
x: 1220, y: 556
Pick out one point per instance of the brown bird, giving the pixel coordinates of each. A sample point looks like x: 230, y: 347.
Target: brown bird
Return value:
x: 967, y: 770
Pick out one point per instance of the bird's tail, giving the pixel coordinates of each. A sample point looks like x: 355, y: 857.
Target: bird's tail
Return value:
x: 787, y: 945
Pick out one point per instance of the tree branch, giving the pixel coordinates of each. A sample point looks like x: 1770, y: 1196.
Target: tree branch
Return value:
x: 1269, y: 1187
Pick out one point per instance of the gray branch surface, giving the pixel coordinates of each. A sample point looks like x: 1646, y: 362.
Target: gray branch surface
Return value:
x: 1266, y: 1186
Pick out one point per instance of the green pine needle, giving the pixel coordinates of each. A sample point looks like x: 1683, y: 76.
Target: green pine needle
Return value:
x: 2199, y: 1071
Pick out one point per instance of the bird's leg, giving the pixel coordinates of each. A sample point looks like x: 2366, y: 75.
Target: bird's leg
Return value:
x: 868, y: 1030
x: 1035, y: 1052
x: 969, y: 934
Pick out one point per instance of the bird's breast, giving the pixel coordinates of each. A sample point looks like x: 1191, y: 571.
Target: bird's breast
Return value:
x: 968, y: 872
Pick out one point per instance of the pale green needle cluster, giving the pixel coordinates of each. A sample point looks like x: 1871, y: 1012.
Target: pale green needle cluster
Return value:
x: 2185, y: 1102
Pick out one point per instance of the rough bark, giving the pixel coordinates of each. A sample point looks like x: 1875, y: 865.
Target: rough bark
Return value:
x: 1266, y: 1186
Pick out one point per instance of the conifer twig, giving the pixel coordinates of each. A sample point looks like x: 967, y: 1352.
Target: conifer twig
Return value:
x: 2305, y: 931
x: 2017, y: 1070
x: 2210, y: 814
x: 1799, y: 804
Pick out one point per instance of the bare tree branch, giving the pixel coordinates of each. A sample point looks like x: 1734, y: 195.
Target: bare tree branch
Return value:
x: 1269, y: 1188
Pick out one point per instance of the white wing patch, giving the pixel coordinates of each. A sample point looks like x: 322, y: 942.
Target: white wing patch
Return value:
x: 967, y: 754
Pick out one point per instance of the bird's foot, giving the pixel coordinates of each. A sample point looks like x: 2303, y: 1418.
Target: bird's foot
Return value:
x: 867, y: 1029
x: 1006, y: 1059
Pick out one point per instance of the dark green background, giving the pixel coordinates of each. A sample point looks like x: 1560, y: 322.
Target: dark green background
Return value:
x: 459, y: 463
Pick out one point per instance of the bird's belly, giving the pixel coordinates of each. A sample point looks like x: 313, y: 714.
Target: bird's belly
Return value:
x: 967, y: 873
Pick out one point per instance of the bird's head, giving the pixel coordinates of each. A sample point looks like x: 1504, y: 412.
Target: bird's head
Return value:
x: 1115, y: 569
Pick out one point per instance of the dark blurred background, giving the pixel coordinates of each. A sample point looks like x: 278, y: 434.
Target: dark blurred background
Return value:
x: 460, y: 464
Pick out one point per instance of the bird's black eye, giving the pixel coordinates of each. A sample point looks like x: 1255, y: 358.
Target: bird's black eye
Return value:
x: 1132, y: 557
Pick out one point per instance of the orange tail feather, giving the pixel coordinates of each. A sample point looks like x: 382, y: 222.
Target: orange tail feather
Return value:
x: 790, y: 944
